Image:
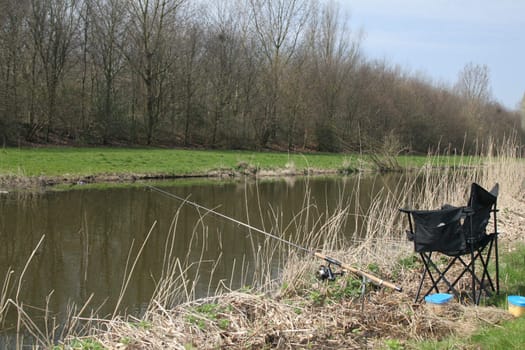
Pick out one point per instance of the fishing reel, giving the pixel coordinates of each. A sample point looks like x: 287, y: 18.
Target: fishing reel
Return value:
x: 326, y: 273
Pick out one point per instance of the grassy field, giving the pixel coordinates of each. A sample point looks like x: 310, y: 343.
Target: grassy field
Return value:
x: 33, y: 162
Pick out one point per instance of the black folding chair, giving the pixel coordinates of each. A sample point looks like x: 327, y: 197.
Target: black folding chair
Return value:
x: 460, y: 233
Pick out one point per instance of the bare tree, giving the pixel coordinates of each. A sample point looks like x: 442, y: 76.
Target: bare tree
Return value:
x: 278, y: 25
x: 474, y: 87
x: 335, y: 52
x: 474, y: 82
x: 12, y: 51
x: 149, y: 50
x: 223, y: 51
x: 107, y: 35
x: 522, y: 113
x: 53, y: 25
x: 190, y: 57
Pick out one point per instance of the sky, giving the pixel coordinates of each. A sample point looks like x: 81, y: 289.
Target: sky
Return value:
x: 437, y: 38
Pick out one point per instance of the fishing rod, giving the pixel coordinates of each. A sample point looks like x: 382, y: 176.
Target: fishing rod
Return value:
x: 325, y: 272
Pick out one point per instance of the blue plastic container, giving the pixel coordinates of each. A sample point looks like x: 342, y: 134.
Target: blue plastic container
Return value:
x: 438, y: 299
x: 516, y: 305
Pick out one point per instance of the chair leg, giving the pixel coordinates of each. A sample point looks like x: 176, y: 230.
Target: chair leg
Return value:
x: 451, y: 286
x: 469, y: 267
x: 473, y: 264
x: 495, y: 222
x: 421, y: 283
x: 485, y: 263
x: 497, y: 262
x: 429, y: 264
x: 484, y: 255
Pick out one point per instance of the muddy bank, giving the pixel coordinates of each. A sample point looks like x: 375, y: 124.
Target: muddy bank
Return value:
x: 14, y: 182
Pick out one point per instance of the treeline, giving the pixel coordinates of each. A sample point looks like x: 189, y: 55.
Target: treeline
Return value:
x: 282, y: 74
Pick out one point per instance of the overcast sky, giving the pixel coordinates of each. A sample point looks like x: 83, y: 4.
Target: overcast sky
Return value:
x: 439, y: 37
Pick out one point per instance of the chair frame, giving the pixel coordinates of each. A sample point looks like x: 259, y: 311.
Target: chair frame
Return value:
x: 477, y: 250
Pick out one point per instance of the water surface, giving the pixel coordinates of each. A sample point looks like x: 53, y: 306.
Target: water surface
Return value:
x: 91, y: 235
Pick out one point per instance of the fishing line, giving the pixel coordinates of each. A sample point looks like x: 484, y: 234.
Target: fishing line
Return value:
x: 328, y: 259
x: 211, y: 211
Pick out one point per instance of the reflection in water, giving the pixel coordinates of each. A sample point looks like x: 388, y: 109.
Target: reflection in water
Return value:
x: 89, y: 234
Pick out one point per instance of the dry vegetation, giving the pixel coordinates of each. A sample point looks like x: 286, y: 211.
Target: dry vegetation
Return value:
x: 258, y: 321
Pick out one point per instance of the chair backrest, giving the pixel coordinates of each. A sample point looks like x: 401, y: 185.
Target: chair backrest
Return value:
x: 439, y: 230
x: 480, y: 205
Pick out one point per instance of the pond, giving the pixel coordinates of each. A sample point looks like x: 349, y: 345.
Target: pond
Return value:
x: 92, y: 236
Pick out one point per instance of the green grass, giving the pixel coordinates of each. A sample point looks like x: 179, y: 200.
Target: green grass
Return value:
x: 506, y: 336
x: 512, y: 275
x: 31, y: 162
x: 511, y: 335
x: 211, y: 312
x: 82, y: 344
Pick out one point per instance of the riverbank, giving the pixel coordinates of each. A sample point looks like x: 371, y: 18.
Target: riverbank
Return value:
x: 37, y: 167
x: 325, y: 315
